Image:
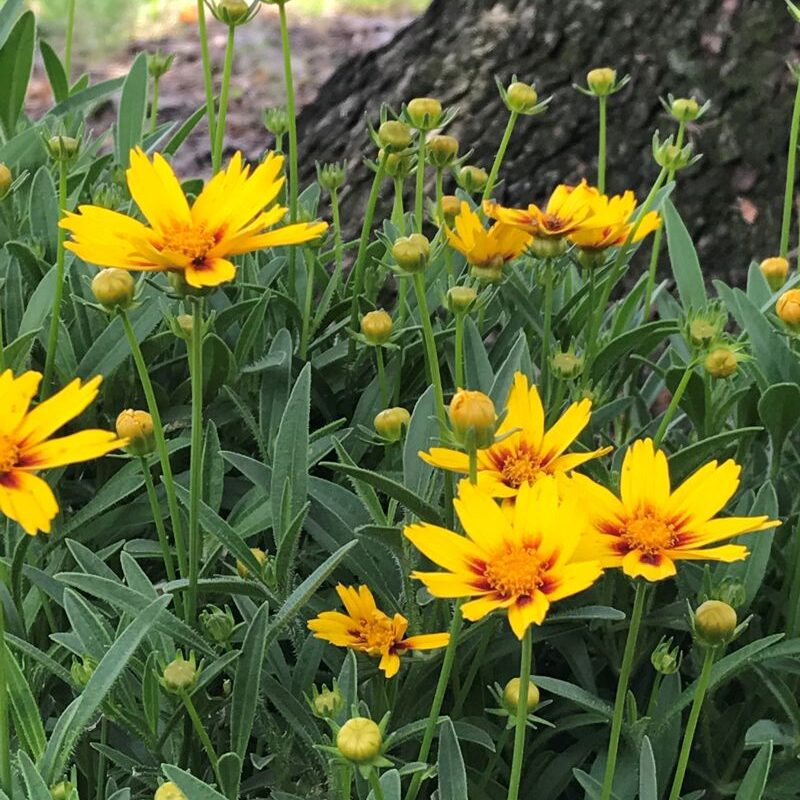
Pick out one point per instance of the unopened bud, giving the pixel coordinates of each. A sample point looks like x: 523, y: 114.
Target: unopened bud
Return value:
x: 185, y: 324
x: 511, y: 695
x: 601, y: 80
x: 180, y: 675
x: 6, y: 179
x: 685, y: 109
x: 169, y: 791
x: 775, y: 270
x: 62, y: 148
x: 521, y: 97
x: 61, y: 790
x: 451, y: 205
x: 158, y: 64
x: 442, y: 150
x: 715, y: 623
x: 232, y: 12
x: 411, y: 252
x: 788, y: 308
x: 396, y: 165
x: 473, y: 417
x: 394, y: 135
x: 567, y: 365
x: 218, y: 624
x: 721, y: 362
x: 461, y: 298
x: 137, y: 428
x: 376, y: 327
x: 702, y: 331
x: 472, y: 179
x: 390, y: 423
x: 331, y: 176
x: 359, y: 740
x: 82, y: 670
x: 243, y: 569
x: 424, y: 113
x: 327, y: 703
x: 548, y: 246
x: 666, y: 659
x: 276, y: 121
x: 114, y: 288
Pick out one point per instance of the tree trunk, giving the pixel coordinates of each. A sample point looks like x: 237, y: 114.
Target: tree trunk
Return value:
x: 731, y: 52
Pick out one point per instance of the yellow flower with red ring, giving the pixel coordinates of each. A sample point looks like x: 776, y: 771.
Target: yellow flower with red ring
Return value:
x: 485, y: 248
x: 519, y: 560
x: 651, y: 526
x: 613, y: 222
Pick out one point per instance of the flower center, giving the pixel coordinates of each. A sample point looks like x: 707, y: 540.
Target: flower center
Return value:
x: 9, y: 455
x: 515, y: 571
x: 522, y: 466
x: 377, y: 633
x: 192, y: 241
x: 551, y: 222
x: 649, y: 533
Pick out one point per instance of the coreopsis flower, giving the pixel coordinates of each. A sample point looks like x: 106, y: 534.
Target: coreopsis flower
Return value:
x: 613, y: 222
x: 26, y: 447
x: 525, y: 451
x: 650, y: 526
x: 367, y: 629
x: 197, y: 240
x: 520, y: 561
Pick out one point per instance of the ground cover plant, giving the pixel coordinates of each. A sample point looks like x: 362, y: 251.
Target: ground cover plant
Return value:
x: 476, y: 505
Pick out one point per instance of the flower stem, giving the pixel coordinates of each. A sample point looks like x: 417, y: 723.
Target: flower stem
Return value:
x: 161, y: 444
x: 202, y: 734
x: 154, y: 105
x: 58, y: 293
x: 459, y: 357
x: 219, y: 131
x: 791, y: 163
x: 5, y: 733
x: 382, y: 377
x: 501, y: 153
x: 207, y: 77
x: 673, y: 405
x: 522, y: 716
x: 152, y: 496
x: 601, y: 143
x: 70, y: 35
x: 375, y: 783
x: 397, y: 207
x: 430, y: 350
x: 305, y: 333
x: 196, y: 458
x: 691, y: 724
x: 792, y: 627
x: 338, y: 258
x: 419, y: 194
x: 622, y: 688
x: 548, y: 326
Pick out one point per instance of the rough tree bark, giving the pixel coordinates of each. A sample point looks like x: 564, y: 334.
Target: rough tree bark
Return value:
x: 732, y: 52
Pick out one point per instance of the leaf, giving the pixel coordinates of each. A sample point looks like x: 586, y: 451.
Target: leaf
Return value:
x: 391, y: 787
x: 132, y: 109
x: 16, y: 64
x: 85, y: 97
x: 24, y: 711
x: 452, y: 773
x: 43, y: 212
x: 36, y: 787
x: 422, y: 434
x: 55, y: 72
x: 574, y: 693
x: 189, y: 785
x: 779, y: 409
x: 648, y: 781
x: 478, y: 372
x: 755, y: 780
x: 683, y: 257
x: 690, y: 458
x: 641, y: 341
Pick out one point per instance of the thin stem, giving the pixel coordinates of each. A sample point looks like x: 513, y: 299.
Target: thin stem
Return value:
x: 419, y: 194
x: 70, y: 35
x: 305, y: 333
x: 501, y: 152
x: 55, y: 314
x: 622, y: 688
x: 791, y: 163
x: 431, y: 355
x: 602, y: 103
x: 196, y: 458
x: 100, y: 785
x: 522, y: 716
x: 691, y: 724
x: 397, y: 207
x: 473, y: 466
x: 375, y: 783
x: 219, y: 133
x: 459, y: 351
x: 5, y: 733
x: 548, y: 326
x: 673, y: 405
x: 161, y: 444
x: 208, y: 80
x: 154, y: 105
x: 792, y: 626
x: 202, y: 734
x: 382, y: 377
x: 152, y: 496
x: 338, y: 258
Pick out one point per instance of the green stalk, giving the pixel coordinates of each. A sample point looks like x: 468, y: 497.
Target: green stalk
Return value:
x: 419, y: 194
x: 792, y: 626
x: 202, y: 734
x: 459, y: 357
x: 375, y: 783
x: 55, y: 314
x: 208, y: 80
x: 154, y: 105
x: 347, y: 782
x: 305, y: 333
x: 501, y: 153
x: 522, y: 716
x: 548, y: 327
x: 161, y: 444
x: 152, y: 496
x: 431, y: 355
x: 5, y: 733
x: 397, y: 207
x: 337, y: 237
x: 219, y: 137
x: 70, y: 35
x: 791, y: 163
x: 602, y: 102
x: 673, y: 405
x: 196, y: 458
x: 622, y: 688
x: 382, y: 376
x: 100, y: 785
x: 691, y: 724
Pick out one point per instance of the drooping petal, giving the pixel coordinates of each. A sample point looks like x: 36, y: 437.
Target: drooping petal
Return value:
x: 390, y: 664
x: 28, y: 500
x: 650, y: 566
x: 527, y: 611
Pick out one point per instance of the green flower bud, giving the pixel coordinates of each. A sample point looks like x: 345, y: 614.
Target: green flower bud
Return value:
x: 715, y: 623
x: 158, y: 64
x: 411, y: 252
x: 114, y: 288
x: 326, y: 703
x: 137, y: 428
x: 218, y: 624
x: 721, y: 362
x: 567, y: 365
x: 442, y: 150
x: 602, y: 80
x: 472, y: 179
x: 391, y: 422
x: 233, y: 12
x: 461, y: 298
x: 376, y: 327
x: 359, y: 740
x: 62, y: 148
x: 685, y: 109
x: 521, y: 97
x: 424, y: 113
x: 61, y: 790
x: 666, y: 659
x: 331, y: 176
x: 82, y: 670
x: 276, y: 121
x: 394, y: 135
x: 511, y: 696
x: 180, y: 675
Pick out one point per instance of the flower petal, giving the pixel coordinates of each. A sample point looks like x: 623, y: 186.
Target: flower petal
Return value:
x: 28, y: 500
x: 644, y: 481
x: 651, y: 567
x: 446, y: 549
x: 74, y: 449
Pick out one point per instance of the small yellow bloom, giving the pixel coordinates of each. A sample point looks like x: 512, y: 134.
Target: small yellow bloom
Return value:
x: 137, y: 428
x: 169, y: 791
x: 788, y: 308
x: 26, y: 447
x: 366, y: 628
x: 650, y: 526
x: 715, y: 623
x: 521, y: 561
x: 242, y: 568
x: 775, y: 270
x: 613, y: 222
x: 197, y: 241
x: 527, y: 451
x: 359, y: 740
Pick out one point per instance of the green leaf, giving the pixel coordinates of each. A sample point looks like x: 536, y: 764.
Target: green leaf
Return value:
x: 16, y: 64
x: 24, y: 712
x: 9, y: 13
x: 55, y: 72
x: 640, y: 341
x: 452, y: 773
x: 779, y: 409
x: 683, y: 257
x: 648, y: 781
x: 755, y: 780
x: 478, y: 372
x: 85, y: 97
x: 132, y: 110
x: 690, y: 458
x: 230, y: 771
x: 391, y: 788
x: 422, y: 434
x: 189, y: 785
x: 36, y: 788
x: 574, y: 693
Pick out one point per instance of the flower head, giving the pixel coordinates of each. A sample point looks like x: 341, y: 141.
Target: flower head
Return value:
x: 519, y: 561
x: 650, y: 526
x: 526, y: 451
x: 169, y: 791
x: 197, y: 241
x: 366, y: 628
x: 613, y: 222
x: 360, y: 740
x: 26, y: 447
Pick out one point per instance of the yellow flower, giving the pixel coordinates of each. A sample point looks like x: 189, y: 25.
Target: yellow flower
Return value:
x: 520, y: 561
x: 484, y: 248
x: 527, y: 451
x: 26, y: 446
x: 569, y: 209
x: 651, y: 526
x: 366, y: 628
x: 226, y: 219
x: 613, y: 222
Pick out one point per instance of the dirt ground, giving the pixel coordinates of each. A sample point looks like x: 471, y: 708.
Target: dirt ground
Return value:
x: 319, y: 45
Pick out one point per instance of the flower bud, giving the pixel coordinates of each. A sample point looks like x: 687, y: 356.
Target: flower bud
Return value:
x: 396, y: 165
x: 137, y: 428
x: 232, y: 12
x: 359, y: 740
x: 61, y: 790
x: 376, y: 327
x: 567, y: 365
x: 788, y: 308
x: 474, y: 419
x: 243, y: 569
x: 732, y: 592
x: 276, y: 121
x: 714, y: 623
x: 511, y: 695
x: 6, y: 179
x: 411, y: 252
x: 326, y: 703
x: 442, y: 150
x: 521, y: 97
x: 669, y: 156
x: 158, y: 64
x: 169, y: 791
x: 107, y: 195
x: 82, y: 670
x: 390, y: 423
x: 721, y: 362
x: 472, y: 179
x: 601, y: 80
x: 489, y: 271
x: 180, y: 675
x: 394, y: 135
x: 114, y: 288
x: 775, y: 270
x: 62, y: 148
x: 685, y: 109
x: 548, y: 246
x: 331, y: 176
x: 218, y: 624
x: 451, y: 205
x: 424, y: 113
x: 185, y: 324
x: 460, y: 298
x: 666, y: 659
x: 702, y: 331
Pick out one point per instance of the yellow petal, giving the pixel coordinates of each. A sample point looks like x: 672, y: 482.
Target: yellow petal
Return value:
x: 390, y: 664
x: 650, y: 567
x: 157, y: 191
x: 527, y: 611
x: 445, y: 548
x: 213, y: 272
x: 727, y: 553
x: 74, y: 449
x: 722, y: 528
x: 644, y: 482
x: 28, y: 500
x: 446, y: 584
x: 483, y: 606
x: 571, y: 579
x: 15, y: 398
x: 481, y: 517
x: 566, y: 430
x: 297, y: 233
x: 444, y: 458
x: 427, y: 641
x: 704, y: 494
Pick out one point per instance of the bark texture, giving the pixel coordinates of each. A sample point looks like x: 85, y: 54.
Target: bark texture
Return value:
x: 732, y: 52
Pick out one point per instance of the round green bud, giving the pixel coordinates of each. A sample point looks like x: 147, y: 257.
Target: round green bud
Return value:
x: 390, y: 423
x: 511, y: 696
x: 218, y: 624
x: 461, y: 298
x: 715, y: 623
x: 424, y: 113
x: 179, y: 675
x: 394, y: 135
x: 114, y: 288
x: 359, y: 740
x: 62, y: 148
x: 721, y: 362
x: 685, y: 109
x: 442, y: 150
x: 521, y: 97
x: 137, y: 428
x: 376, y: 327
x: 411, y: 252
x: 602, y: 80
x: 473, y: 179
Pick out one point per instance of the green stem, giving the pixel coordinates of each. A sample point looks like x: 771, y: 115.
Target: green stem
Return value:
x: 622, y: 688
x: 473, y: 466
x: 161, y: 445
x: 397, y: 207
x: 673, y: 405
x: 548, y: 327
x: 196, y: 458
x: 5, y: 733
x: 152, y: 496
x: 154, y: 105
x: 208, y: 80
x: 219, y: 133
x: 459, y: 356
x: 100, y: 785
x: 419, y: 194
x: 375, y: 783
x: 691, y: 724
x: 338, y: 258
x: 431, y: 355
x: 522, y: 716
x: 202, y: 734
x: 601, y: 143
x: 382, y: 377
x: 792, y: 627
x: 305, y: 333
x: 791, y: 163
x: 70, y: 35
x: 55, y: 314
x: 501, y: 152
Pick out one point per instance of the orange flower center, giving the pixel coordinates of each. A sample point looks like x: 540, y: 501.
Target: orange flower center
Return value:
x: 515, y: 571
x: 9, y: 455
x: 377, y: 633
x: 649, y: 533
x: 551, y: 223
x: 523, y: 466
x: 192, y: 241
